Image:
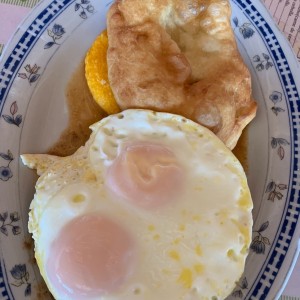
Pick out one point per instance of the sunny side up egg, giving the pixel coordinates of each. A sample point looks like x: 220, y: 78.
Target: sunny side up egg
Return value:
x: 154, y: 206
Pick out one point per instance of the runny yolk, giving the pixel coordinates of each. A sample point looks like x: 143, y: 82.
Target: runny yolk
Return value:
x: 147, y: 175
x: 91, y: 256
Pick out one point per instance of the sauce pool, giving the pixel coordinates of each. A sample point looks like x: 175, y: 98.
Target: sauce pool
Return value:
x: 241, y: 150
x: 83, y: 112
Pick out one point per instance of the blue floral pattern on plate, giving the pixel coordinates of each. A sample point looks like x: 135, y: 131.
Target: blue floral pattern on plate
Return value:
x: 279, y: 144
x: 13, y: 118
x: 245, y: 29
x: 276, y: 97
x: 260, y: 241
x: 5, y: 171
x: 10, y: 223
x: 241, y: 286
x: 55, y: 34
x: 21, y: 276
x: 263, y: 62
x: 31, y: 73
x: 274, y: 190
x: 84, y: 7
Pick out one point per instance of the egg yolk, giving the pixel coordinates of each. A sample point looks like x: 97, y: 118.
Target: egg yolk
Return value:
x: 91, y: 256
x: 146, y: 175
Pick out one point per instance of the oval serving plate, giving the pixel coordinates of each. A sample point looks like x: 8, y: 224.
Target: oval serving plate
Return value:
x: 35, y: 69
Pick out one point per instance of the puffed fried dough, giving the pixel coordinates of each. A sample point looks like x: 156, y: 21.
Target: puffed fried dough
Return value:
x: 180, y: 56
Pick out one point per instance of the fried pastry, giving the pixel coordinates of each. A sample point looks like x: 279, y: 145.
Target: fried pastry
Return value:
x: 180, y: 56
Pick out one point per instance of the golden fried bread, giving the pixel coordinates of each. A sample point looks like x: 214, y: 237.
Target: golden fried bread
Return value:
x: 180, y: 56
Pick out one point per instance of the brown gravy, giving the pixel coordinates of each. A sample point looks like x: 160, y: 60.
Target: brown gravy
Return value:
x: 241, y: 150
x: 83, y: 112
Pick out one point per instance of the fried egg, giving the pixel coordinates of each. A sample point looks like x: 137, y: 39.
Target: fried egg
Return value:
x: 154, y: 206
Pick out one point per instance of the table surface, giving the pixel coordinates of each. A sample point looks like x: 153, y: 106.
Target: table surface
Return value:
x: 286, y: 14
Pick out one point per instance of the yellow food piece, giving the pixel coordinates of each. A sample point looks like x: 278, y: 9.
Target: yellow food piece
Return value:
x: 174, y: 255
x: 96, y: 75
x: 186, y: 278
x: 199, y: 268
x: 198, y: 250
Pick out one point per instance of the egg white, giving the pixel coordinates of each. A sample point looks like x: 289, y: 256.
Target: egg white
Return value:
x: 192, y: 248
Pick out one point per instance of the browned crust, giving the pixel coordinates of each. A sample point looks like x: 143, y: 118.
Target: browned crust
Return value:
x: 180, y: 56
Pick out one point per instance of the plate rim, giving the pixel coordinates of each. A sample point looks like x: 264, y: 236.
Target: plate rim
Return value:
x: 286, y: 46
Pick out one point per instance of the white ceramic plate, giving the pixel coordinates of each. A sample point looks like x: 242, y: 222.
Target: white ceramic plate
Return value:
x: 35, y: 69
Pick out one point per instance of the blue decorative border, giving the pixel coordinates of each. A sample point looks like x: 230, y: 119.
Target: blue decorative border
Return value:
x: 28, y: 39
x: 288, y: 225
x: 9, y: 71
x: 3, y: 290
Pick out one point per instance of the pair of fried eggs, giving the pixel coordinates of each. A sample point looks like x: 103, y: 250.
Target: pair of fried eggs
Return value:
x: 154, y: 206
